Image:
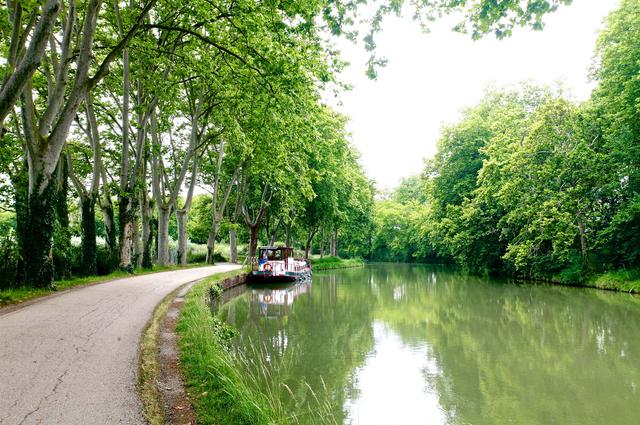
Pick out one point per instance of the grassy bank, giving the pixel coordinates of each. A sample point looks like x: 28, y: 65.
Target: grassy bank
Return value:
x: 217, y: 391
x: 329, y: 263
x: 620, y: 280
x: 223, y: 388
x: 24, y: 293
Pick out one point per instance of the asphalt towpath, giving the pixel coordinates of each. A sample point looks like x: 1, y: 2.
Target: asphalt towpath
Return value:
x: 72, y: 358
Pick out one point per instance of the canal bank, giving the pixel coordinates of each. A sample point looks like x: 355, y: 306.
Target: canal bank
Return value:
x: 334, y: 263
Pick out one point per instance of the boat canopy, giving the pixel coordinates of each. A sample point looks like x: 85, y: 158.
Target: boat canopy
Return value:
x: 275, y: 253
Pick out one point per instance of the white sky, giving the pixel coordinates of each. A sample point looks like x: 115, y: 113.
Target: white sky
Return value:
x: 396, y: 120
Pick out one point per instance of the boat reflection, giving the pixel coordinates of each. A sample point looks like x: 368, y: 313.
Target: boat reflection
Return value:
x: 276, y: 300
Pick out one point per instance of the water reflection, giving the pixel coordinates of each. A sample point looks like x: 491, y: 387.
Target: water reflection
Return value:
x: 396, y: 344
x: 275, y: 301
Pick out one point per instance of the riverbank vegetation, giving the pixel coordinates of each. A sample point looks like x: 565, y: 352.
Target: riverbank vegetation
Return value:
x: 532, y: 184
x: 330, y: 263
x: 223, y: 388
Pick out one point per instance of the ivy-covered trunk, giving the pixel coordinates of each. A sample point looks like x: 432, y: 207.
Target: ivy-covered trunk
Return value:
x: 110, y: 233
x: 136, y: 259
x: 20, y: 183
x: 61, y: 233
x: 163, y: 235
x: 147, y: 235
x: 181, y: 216
x: 41, y: 218
x: 88, y: 265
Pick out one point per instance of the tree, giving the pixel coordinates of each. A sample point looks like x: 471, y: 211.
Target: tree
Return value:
x: 616, y: 97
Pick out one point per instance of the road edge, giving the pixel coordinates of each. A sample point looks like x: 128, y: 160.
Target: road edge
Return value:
x: 10, y: 308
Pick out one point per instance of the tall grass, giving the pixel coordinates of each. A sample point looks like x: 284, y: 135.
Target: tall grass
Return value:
x: 224, y: 385
x: 620, y: 280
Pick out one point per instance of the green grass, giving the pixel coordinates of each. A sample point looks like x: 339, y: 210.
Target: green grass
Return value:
x: 222, y: 386
x: 620, y: 280
x: 328, y: 263
x: 24, y: 293
x: 213, y: 382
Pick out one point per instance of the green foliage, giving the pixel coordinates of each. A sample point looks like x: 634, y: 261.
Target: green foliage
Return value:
x: 9, y: 256
x: 200, y: 219
x: 215, y: 292
x: 528, y: 184
x: 331, y: 263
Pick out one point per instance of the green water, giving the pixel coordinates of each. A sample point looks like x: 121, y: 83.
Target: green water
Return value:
x: 400, y: 344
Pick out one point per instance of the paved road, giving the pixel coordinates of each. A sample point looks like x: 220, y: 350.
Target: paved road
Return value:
x: 72, y: 358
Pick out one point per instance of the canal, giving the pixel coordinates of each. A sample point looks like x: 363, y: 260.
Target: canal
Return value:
x: 414, y: 344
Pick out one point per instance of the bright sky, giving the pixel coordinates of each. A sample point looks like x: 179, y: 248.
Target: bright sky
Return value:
x: 396, y: 120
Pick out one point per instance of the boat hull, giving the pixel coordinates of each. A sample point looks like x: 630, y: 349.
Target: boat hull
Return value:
x: 269, y: 277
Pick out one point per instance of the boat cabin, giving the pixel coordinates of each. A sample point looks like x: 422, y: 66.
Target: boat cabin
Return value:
x: 274, y: 253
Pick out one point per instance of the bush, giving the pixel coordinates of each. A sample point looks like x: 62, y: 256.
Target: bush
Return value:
x: 9, y: 257
x: 197, y: 253
x: 196, y: 256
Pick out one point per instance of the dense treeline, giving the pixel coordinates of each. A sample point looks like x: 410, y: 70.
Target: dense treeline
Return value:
x: 112, y: 114
x: 530, y: 183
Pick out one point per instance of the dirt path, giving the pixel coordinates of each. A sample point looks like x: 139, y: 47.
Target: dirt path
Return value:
x: 72, y: 358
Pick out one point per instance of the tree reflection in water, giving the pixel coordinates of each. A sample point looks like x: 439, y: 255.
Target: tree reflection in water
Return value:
x: 441, y: 347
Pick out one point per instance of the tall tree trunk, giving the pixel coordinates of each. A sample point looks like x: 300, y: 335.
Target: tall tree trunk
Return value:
x: 126, y: 212
x: 233, y: 245
x: 309, y: 243
x: 39, y: 268
x: 137, y: 246
x: 62, y: 234
x: 164, y: 215
x: 274, y: 235
x: 20, y: 183
x: 334, y: 242
x: 288, y: 234
x: 88, y: 264
x: 109, y: 230
x: 181, y: 217
x: 583, y: 237
x: 253, y: 240
x: 322, y: 238
x: 147, y: 235
x: 211, y: 241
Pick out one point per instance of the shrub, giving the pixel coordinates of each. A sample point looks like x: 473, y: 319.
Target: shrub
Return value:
x: 9, y: 256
